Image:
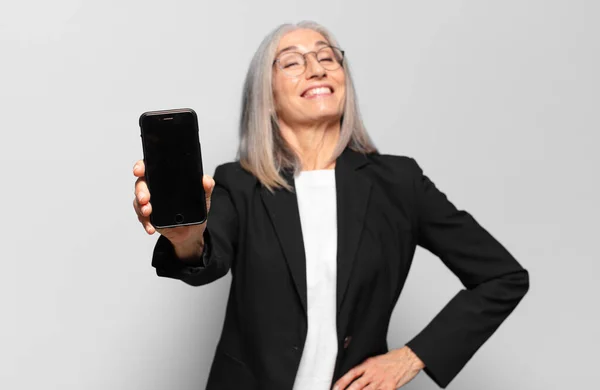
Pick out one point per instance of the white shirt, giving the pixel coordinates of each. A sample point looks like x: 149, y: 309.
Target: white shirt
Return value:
x: 316, y: 194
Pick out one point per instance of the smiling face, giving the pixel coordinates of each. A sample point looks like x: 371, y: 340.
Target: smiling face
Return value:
x: 317, y: 95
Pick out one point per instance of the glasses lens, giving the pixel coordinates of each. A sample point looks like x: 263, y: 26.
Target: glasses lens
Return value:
x: 292, y: 63
x: 330, y: 58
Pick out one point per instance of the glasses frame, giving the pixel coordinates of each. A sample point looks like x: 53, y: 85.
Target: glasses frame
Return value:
x: 276, y: 61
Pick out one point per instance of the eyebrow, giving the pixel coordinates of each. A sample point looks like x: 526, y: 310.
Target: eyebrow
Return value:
x: 318, y: 43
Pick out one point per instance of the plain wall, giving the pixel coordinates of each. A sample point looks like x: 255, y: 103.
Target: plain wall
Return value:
x: 497, y: 101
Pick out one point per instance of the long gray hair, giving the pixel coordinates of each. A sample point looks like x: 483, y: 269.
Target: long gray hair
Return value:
x: 263, y: 151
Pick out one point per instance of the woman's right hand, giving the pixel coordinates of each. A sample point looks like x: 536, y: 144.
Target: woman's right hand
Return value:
x: 179, y: 236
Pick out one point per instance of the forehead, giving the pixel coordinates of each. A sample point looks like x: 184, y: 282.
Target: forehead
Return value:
x: 304, y: 39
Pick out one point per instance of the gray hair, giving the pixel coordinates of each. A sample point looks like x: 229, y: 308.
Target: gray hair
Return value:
x: 262, y: 150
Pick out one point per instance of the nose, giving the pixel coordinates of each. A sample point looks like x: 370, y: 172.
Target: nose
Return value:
x: 313, y: 67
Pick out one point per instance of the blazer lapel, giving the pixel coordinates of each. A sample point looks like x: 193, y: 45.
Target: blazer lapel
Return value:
x: 353, y: 191
x: 352, y: 196
x: 282, y: 207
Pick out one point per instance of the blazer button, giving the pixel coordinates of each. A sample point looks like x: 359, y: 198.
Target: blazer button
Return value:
x: 347, y: 341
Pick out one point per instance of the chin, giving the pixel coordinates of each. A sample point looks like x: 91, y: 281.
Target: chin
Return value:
x: 325, y: 111
x: 324, y: 117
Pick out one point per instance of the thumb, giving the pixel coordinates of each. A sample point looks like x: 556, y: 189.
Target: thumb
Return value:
x: 209, y: 185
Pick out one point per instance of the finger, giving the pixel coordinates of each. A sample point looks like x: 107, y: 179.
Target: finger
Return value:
x: 146, y: 209
x: 350, y: 376
x: 136, y: 207
x: 149, y: 228
x: 359, y: 384
x: 209, y: 185
x: 141, y: 191
x: 142, y: 210
x: 141, y: 217
x: 144, y: 220
x: 146, y: 224
x: 139, y: 169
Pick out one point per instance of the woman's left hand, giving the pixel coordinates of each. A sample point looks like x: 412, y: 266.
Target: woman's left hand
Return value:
x: 384, y: 372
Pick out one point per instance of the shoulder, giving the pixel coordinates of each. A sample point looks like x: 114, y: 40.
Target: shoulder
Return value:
x: 394, y: 180
x: 232, y: 175
x: 396, y: 166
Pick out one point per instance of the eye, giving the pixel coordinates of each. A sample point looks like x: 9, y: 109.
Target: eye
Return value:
x: 290, y: 64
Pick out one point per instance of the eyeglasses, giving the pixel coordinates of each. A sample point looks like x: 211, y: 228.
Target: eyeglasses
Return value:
x: 293, y: 64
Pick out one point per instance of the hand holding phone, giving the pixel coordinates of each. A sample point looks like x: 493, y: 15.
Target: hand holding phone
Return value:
x: 182, y: 237
x: 172, y: 172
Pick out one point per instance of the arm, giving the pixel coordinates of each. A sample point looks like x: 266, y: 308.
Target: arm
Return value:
x: 215, y: 249
x: 494, y: 283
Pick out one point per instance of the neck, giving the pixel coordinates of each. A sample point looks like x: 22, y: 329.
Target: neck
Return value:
x: 313, y: 143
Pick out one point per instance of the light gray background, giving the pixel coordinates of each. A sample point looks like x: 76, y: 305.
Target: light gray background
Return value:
x: 497, y: 101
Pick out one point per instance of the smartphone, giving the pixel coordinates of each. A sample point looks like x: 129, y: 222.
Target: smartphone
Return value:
x: 173, y: 161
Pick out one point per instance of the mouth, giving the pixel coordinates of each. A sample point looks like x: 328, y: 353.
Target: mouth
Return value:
x: 317, y: 91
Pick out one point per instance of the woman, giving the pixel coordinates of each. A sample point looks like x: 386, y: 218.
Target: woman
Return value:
x: 319, y: 231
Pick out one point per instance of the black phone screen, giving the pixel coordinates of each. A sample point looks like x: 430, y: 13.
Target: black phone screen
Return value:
x: 173, y: 167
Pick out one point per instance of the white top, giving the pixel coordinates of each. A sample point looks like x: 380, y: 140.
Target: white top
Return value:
x: 316, y: 195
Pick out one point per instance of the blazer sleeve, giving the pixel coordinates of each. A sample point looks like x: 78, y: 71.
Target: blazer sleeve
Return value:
x: 219, y: 242
x: 494, y: 283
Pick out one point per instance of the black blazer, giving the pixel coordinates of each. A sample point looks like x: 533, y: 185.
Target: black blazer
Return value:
x: 385, y: 208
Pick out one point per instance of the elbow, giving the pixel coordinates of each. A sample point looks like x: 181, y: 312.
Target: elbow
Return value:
x: 515, y: 286
x: 505, y: 291
x: 520, y: 280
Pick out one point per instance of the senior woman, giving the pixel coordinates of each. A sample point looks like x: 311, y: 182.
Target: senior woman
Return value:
x: 319, y: 231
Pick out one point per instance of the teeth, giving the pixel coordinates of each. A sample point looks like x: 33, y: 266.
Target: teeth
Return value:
x: 318, y: 91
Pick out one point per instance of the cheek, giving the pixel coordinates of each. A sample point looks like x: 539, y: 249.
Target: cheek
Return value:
x: 284, y: 91
x: 343, y: 99
x: 342, y: 84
